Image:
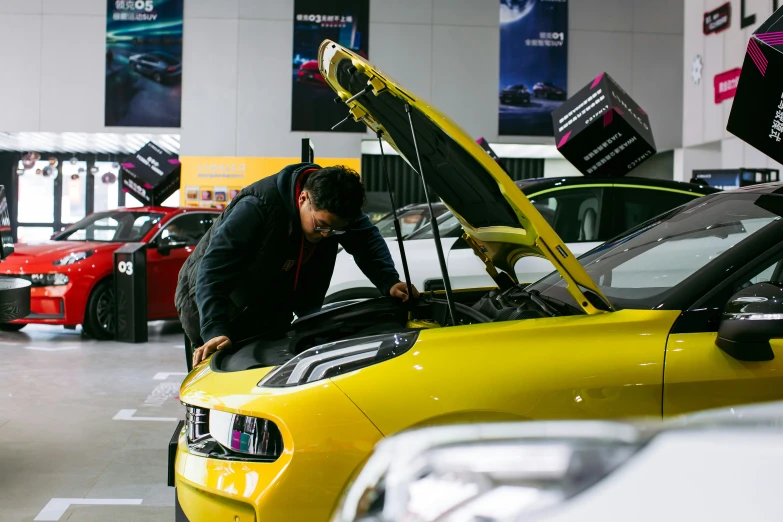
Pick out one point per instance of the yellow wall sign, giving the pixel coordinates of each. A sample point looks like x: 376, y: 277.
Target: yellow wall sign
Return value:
x: 213, y: 181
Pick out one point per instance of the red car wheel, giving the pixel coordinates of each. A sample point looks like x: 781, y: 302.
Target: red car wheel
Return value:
x: 99, y: 317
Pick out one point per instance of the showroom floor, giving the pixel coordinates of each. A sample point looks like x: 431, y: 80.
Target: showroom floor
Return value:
x: 87, y: 421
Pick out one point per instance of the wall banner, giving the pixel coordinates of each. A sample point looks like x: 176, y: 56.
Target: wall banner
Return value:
x: 213, y: 181
x: 343, y: 21
x: 533, y: 65
x: 725, y: 84
x: 717, y: 20
x: 143, y: 63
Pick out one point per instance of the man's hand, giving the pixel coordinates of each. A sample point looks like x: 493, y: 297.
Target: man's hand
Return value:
x: 209, y: 347
x: 400, y: 291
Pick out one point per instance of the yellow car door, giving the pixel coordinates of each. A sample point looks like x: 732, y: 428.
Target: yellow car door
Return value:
x: 699, y: 374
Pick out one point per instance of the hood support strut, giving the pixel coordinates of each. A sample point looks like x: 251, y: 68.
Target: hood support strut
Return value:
x: 397, y: 229
x: 433, y: 224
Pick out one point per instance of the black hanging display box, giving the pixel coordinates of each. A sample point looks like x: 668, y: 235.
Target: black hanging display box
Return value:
x: 602, y: 131
x: 6, y: 236
x: 130, y: 292
x: 757, y: 111
x: 151, y: 175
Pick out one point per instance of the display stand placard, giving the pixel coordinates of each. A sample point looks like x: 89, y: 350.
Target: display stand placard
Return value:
x: 130, y: 292
x: 308, y: 150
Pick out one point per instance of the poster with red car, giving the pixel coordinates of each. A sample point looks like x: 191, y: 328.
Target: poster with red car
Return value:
x: 343, y: 21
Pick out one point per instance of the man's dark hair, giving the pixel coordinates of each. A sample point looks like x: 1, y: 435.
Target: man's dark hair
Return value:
x: 338, y: 190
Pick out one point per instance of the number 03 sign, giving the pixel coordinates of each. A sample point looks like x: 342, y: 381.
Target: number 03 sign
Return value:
x: 125, y: 267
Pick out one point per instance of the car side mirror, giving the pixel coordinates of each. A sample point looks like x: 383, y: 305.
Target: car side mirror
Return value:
x: 165, y: 246
x: 752, y: 317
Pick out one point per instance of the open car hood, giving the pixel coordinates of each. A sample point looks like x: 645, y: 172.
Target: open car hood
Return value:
x: 500, y: 224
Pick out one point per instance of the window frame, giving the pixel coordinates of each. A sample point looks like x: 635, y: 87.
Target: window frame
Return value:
x: 605, y: 230
x: 617, y: 227
x: 703, y: 316
x: 153, y: 242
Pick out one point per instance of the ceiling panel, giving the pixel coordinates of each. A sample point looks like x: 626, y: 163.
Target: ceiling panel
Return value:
x: 81, y: 142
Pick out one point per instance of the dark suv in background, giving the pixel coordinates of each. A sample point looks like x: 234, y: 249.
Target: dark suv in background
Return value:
x: 549, y: 91
x: 515, y: 95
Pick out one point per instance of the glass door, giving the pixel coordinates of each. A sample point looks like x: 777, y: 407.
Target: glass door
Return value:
x: 105, y: 190
x: 35, y: 203
x: 74, y: 199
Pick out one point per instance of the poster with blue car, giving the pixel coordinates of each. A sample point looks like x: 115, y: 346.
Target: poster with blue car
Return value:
x: 143, y: 63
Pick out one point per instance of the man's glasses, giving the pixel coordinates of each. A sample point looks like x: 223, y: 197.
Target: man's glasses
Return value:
x: 325, y: 230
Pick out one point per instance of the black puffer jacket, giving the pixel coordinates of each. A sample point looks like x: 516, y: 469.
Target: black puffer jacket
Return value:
x: 245, y: 265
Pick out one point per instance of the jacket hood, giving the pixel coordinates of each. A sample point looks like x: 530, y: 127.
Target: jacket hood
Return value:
x: 286, y: 186
x: 500, y: 223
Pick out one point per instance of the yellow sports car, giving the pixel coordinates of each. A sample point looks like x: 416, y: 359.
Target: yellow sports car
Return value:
x: 677, y: 315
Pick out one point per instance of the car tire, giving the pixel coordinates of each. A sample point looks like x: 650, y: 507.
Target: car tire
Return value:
x: 99, y: 317
x: 157, y: 77
x: 12, y: 327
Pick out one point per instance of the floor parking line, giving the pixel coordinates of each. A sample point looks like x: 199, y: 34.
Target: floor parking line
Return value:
x: 57, y: 507
x: 45, y: 349
x: 162, y: 376
x: 127, y: 415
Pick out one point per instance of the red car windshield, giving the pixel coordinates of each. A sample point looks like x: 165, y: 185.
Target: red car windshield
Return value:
x: 112, y: 226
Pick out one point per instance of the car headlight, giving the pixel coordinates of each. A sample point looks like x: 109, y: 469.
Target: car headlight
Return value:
x: 231, y: 436
x: 330, y: 360
x: 72, y: 258
x: 53, y: 279
x: 246, y: 435
x: 488, y: 472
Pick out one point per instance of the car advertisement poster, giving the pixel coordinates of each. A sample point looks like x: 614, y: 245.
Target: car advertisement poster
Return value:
x: 143, y: 63
x: 533, y: 65
x: 343, y: 21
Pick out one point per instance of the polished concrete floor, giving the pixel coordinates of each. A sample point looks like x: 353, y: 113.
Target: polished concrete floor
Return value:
x: 85, y: 421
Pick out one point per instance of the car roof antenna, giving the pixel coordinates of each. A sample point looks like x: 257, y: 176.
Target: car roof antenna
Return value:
x: 397, y: 229
x: 433, y: 224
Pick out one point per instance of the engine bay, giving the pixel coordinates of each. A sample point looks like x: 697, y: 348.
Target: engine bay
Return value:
x: 387, y: 315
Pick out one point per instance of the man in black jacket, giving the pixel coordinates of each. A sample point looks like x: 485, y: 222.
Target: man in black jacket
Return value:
x: 272, y: 252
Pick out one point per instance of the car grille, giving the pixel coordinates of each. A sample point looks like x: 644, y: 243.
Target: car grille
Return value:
x: 197, y: 421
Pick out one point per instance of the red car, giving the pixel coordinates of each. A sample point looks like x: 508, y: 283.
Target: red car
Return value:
x: 310, y: 73
x: 72, y: 273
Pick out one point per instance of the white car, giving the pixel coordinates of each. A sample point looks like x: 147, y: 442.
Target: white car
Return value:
x: 585, y: 212
x: 720, y: 466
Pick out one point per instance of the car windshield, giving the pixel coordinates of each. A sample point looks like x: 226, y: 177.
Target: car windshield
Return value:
x: 447, y: 223
x: 412, y: 220
x: 640, y: 269
x: 112, y: 226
